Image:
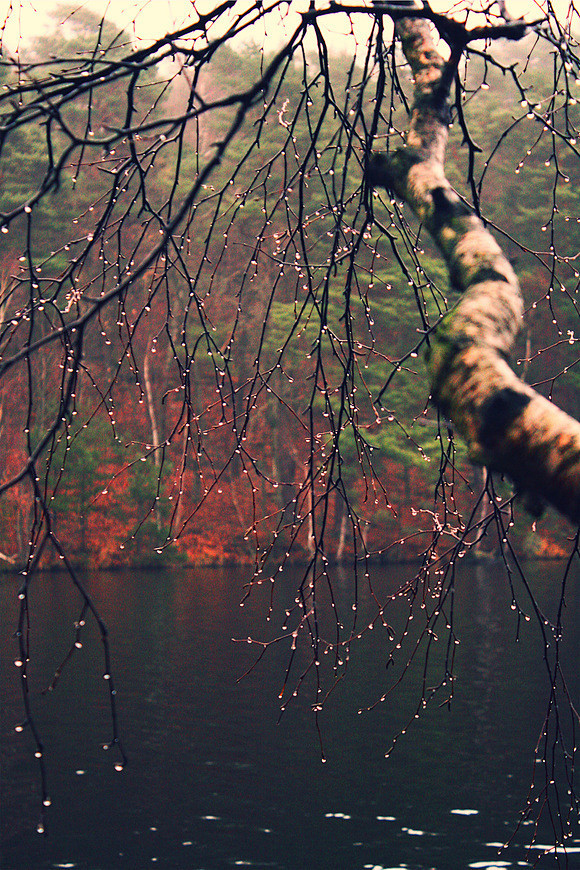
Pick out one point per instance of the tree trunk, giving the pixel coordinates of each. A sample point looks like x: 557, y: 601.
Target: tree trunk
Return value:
x: 342, y: 530
x: 508, y: 427
x: 150, y: 399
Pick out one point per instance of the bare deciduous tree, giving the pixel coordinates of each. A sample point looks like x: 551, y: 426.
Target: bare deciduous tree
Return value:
x: 199, y: 255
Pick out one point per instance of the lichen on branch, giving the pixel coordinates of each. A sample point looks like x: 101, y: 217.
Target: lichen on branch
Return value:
x: 506, y: 424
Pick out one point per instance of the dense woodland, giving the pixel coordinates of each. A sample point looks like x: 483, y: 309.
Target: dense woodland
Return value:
x: 257, y: 312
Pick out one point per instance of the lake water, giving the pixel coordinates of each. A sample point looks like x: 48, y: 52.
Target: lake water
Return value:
x: 214, y: 781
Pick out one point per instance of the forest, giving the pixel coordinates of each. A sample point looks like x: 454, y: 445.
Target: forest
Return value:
x: 263, y: 373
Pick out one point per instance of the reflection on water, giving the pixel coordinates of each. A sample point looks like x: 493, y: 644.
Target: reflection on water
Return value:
x: 214, y: 781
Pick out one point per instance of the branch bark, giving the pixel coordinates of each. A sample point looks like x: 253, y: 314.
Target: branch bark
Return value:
x: 507, y: 425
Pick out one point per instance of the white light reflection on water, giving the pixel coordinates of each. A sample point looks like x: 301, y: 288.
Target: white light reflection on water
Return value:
x: 550, y: 849
x: 381, y: 867
x: 489, y: 865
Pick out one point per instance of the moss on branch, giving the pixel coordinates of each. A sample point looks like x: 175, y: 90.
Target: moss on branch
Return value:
x: 507, y: 425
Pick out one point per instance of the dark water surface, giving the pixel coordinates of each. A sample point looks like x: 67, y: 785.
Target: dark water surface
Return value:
x: 214, y: 781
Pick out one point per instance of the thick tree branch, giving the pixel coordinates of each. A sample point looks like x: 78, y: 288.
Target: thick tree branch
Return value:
x: 507, y: 425
x: 452, y: 31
